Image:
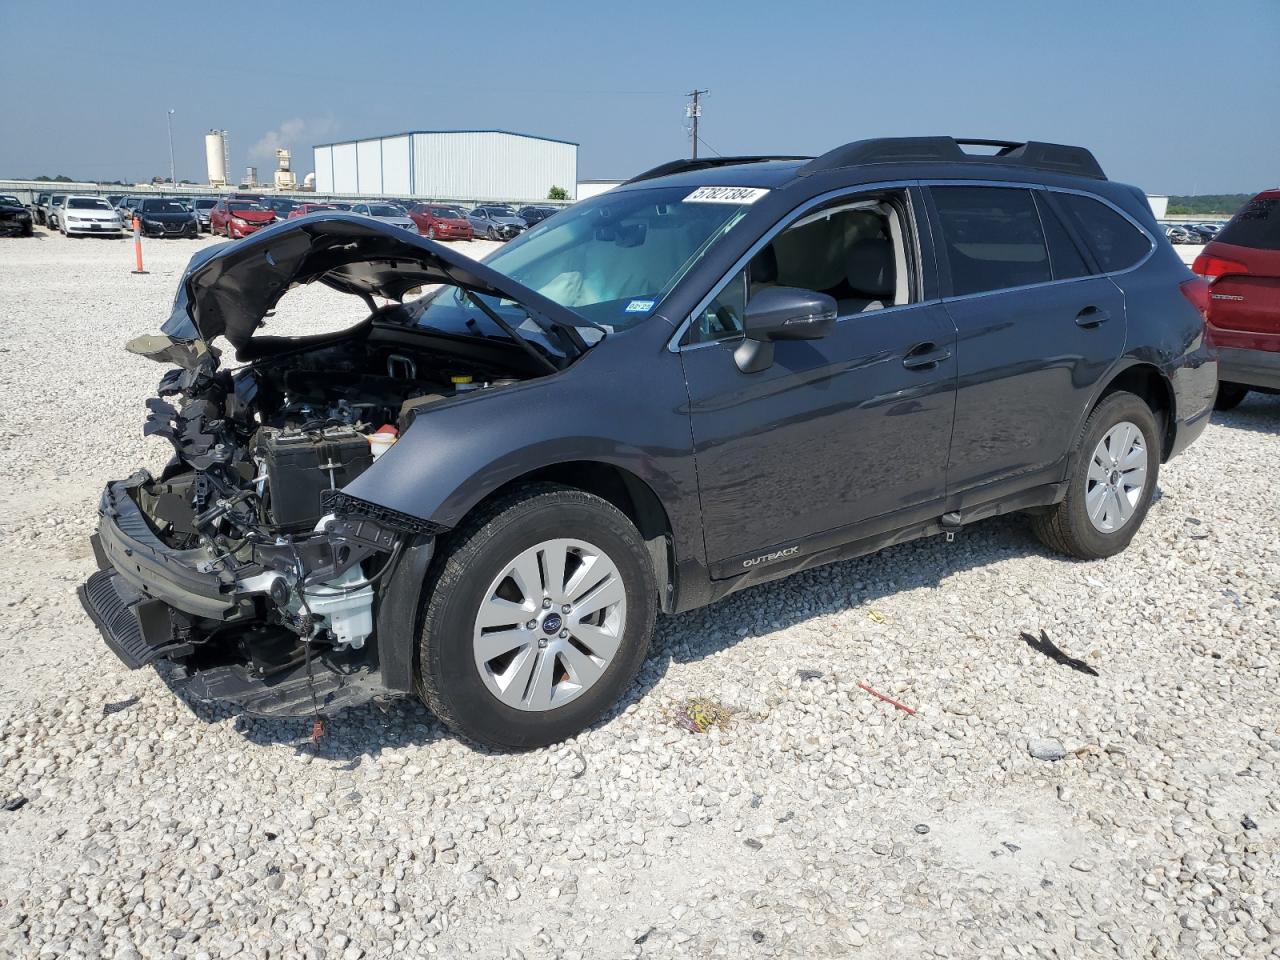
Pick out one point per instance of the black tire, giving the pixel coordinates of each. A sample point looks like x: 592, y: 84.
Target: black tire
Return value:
x: 1066, y: 527
x: 1229, y: 395
x: 448, y: 680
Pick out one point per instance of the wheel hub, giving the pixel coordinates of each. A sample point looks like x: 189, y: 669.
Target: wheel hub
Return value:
x: 1117, y: 477
x: 549, y: 625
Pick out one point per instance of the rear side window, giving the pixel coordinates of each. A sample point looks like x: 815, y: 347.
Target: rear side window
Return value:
x: 1064, y: 256
x: 1256, y: 225
x: 1116, y: 242
x: 993, y: 238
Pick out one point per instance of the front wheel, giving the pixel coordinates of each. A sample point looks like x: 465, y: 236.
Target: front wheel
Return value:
x: 1114, y: 474
x: 1229, y: 395
x: 538, y: 618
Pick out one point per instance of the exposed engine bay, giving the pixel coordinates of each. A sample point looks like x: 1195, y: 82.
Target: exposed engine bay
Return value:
x: 259, y: 453
x: 245, y: 564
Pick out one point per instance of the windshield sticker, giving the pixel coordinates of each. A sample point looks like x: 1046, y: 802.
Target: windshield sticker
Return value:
x: 639, y: 306
x: 726, y: 195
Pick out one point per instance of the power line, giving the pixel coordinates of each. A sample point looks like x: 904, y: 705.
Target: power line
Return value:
x: 693, y: 110
x: 710, y: 147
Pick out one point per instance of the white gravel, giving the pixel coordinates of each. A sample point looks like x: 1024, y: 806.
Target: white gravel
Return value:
x: 819, y: 822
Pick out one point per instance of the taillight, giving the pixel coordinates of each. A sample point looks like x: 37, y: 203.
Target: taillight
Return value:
x: 1211, y: 267
x: 1196, y: 290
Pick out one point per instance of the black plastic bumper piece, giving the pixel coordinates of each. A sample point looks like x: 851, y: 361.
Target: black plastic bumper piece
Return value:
x: 125, y: 543
x: 137, y: 629
x: 288, y: 694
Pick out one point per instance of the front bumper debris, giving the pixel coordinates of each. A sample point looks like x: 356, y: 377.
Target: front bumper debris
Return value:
x: 156, y: 605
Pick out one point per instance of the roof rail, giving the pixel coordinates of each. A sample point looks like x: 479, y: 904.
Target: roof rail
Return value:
x: 702, y: 163
x: 1052, y: 157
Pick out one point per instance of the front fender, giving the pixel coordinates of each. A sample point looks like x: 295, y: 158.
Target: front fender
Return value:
x: 460, y: 451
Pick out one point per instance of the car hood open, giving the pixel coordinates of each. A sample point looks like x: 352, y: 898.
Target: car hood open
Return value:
x: 227, y: 289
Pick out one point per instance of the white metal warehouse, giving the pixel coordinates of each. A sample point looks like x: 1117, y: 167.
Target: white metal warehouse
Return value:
x: 448, y: 164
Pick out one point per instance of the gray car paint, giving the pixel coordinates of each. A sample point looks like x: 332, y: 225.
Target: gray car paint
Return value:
x: 783, y: 456
x: 627, y: 404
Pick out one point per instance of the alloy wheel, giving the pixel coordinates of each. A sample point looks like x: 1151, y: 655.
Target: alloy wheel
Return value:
x: 549, y: 624
x: 1117, y: 477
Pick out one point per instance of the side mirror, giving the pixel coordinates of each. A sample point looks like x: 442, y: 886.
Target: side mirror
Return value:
x: 781, y: 313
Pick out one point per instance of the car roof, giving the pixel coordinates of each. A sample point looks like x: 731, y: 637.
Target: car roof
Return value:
x: 887, y: 158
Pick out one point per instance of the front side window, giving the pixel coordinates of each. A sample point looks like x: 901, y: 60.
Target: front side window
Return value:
x: 1116, y: 242
x: 1256, y: 225
x: 993, y: 238
x: 854, y: 250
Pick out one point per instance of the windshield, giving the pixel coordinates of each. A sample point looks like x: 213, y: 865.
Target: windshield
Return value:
x: 163, y: 206
x: 88, y: 203
x: 611, y: 259
x: 386, y: 210
x: 500, y: 211
x: 206, y: 204
x: 283, y: 205
x: 5, y: 198
x: 448, y: 213
x: 239, y: 205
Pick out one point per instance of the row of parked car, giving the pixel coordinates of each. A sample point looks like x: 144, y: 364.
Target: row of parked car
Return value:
x: 239, y: 215
x: 1191, y: 232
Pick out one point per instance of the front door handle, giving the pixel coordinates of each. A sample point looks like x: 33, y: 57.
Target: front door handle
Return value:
x: 925, y: 356
x: 1091, y: 317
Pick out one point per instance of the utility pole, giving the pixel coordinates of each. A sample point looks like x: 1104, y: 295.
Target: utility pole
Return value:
x: 173, y: 176
x: 693, y: 111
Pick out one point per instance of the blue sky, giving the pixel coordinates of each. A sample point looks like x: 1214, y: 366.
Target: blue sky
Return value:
x: 1175, y: 96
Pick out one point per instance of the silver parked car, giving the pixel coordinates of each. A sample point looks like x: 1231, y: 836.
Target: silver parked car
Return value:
x: 202, y: 207
x: 496, y: 221
x: 391, y: 213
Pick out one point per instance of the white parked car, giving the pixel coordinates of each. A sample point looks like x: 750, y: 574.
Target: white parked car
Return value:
x: 388, y: 213
x: 81, y: 215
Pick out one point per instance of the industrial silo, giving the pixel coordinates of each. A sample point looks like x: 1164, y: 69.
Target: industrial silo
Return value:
x: 215, y: 154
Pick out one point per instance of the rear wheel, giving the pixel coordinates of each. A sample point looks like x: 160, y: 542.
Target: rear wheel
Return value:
x: 1116, y: 465
x: 1229, y: 395
x: 538, y: 618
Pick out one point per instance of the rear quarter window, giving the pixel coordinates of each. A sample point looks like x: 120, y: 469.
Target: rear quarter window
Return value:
x: 1256, y: 225
x: 1116, y: 243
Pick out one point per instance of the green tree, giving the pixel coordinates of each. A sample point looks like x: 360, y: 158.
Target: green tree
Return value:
x: 1209, y: 204
x: 557, y: 193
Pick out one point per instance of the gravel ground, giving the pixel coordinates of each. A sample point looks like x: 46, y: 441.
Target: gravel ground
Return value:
x: 809, y: 820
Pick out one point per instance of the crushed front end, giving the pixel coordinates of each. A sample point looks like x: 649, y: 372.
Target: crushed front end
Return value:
x: 234, y: 563
x: 245, y: 562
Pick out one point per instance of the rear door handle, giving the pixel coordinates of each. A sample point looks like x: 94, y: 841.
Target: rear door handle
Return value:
x: 1091, y: 317
x: 925, y: 356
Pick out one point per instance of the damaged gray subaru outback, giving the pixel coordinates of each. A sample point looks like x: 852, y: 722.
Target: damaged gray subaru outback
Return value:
x: 719, y: 373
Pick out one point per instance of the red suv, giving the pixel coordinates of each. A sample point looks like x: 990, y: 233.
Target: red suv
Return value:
x: 440, y: 222
x: 239, y: 218
x: 1242, y: 265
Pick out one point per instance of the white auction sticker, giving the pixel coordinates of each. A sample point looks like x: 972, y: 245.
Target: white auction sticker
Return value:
x: 726, y: 195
